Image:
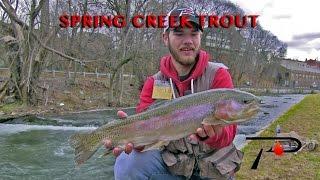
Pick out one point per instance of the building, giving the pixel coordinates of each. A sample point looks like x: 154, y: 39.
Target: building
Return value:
x: 313, y: 62
x: 304, y: 74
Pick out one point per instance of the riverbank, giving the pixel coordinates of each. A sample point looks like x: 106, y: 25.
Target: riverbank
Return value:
x: 90, y: 93
x: 277, y: 91
x: 85, y: 94
x: 80, y: 97
x: 303, y: 118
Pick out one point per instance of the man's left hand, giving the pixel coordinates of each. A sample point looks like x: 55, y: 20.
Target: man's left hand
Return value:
x: 205, y: 132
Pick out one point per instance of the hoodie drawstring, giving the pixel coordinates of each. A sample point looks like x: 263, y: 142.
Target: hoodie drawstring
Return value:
x: 171, y: 84
x: 174, y: 94
x: 192, y: 90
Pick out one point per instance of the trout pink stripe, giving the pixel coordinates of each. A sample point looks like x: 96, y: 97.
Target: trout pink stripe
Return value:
x: 178, y: 117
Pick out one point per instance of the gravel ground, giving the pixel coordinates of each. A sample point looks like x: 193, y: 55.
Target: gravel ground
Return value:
x: 272, y: 108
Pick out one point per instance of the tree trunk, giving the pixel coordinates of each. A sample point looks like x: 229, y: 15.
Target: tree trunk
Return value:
x: 27, y: 56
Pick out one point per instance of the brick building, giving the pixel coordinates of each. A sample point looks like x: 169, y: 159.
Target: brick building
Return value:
x: 296, y: 73
x: 313, y: 62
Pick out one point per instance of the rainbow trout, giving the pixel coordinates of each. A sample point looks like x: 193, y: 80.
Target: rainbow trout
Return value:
x: 169, y: 121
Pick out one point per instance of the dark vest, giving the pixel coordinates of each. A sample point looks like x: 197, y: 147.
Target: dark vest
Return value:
x: 184, y: 157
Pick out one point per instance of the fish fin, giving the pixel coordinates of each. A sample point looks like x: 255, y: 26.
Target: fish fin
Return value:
x: 156, y: 145
x: 85, y: 146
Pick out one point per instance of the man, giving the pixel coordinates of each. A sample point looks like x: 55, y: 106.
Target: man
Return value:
x: 209, y: 153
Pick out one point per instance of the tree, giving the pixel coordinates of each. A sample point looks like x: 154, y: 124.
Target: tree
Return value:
x: 28, y: 48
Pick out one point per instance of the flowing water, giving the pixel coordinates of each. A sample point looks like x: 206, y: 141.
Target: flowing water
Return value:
x: 36, y: 152
x: 30, y: 151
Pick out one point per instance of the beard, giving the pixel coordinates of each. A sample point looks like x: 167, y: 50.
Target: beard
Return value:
x: 183, y: 60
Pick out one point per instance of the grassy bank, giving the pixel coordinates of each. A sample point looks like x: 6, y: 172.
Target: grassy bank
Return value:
x: 304, y: 118
x: 86, y: 93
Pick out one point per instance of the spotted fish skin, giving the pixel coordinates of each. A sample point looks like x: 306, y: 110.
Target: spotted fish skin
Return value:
x: 172, y: 120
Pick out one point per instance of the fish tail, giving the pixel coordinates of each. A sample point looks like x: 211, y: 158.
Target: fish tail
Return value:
x: 85, y: 145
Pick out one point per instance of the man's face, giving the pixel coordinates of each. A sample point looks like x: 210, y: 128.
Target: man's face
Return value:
x: 183, y: 44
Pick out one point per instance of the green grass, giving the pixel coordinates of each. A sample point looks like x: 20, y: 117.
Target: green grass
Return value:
x: 7, y: 108
x: 303, y: 118
x: 318, y: 175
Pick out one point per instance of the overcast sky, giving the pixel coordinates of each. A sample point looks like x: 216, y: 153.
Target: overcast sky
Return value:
x: 292, y: 21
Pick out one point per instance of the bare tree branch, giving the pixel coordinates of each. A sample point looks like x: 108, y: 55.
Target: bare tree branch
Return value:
x: 59, y: 53
x: 37, y: 10
x: 11, y: 12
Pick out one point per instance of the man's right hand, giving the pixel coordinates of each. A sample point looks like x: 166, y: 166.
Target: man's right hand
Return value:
x: 128, y: 148
x: 117, y: 150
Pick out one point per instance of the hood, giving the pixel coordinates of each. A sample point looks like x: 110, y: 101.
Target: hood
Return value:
x: 167, y: 68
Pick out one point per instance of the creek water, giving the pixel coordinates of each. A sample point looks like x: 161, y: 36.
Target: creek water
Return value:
x: 39, y: 149
x: 35, y: 152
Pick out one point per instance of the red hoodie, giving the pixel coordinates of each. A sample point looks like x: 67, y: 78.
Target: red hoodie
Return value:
x: 222, y: 79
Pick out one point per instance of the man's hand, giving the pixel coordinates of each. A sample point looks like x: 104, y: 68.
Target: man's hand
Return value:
x: 117, y: 150
x: 206, y: 132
